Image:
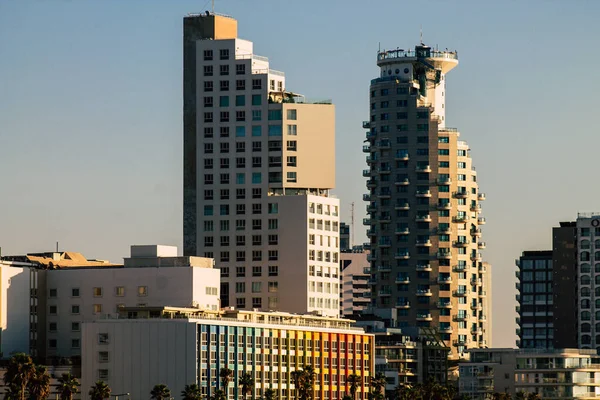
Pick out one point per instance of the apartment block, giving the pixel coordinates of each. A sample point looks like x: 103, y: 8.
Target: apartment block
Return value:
x: 259, y: 162
x: 177, y: 347
x: 552, y: 374
x: 355, y: 293
x: 424, y: 204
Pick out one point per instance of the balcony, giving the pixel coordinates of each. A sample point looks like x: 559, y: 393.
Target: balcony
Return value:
x: 444, y: 181
x: 383, y: 268
x: 476, y: 282
x: 384, y: 293
x: 482, y: 343
x: 460, y: 342
x: 460, y: 317
x: 476, y: 232
x: 367, y: 246
x: 403, y: 280
x: 424, y: 317
x: 367, y: 221
x: 403, y: 304
x: 384, y: 243
x: 370, y: 257
x: 371, y: 232
x: 401, y: 156
x: 385, y: 218
x: 423, y: 193
x: 444, y: 206
x: 367, y: 197
x: 444, y: 279
x: 460, y: 195
x: 482, y: 318
x: 444, y: 304
x: 371, y: 183
x: 477, y: 307
x: 482, y: 268
x: 423, y: 168
x: 366, y: 124
x: 384, y: 195
x: 459, y: 268
x: 424, y: 268
x: 475, y: 207
x: 371, y: 135
x: 366, y: 148
x: 446, y: 255
x: 402, y: 181
x: 481, y: 197
x: 481, y: 245
x: 385, y: 145
x: 476, y: 257
x: 444, y: 231
x: 458, y: 219
x: 402, y: 255
x: 476, y: 331
x: 482, y: 293
x: 402, y: 206
x: 402, y: 231
x: 481, y: 220
x: 460, y: 243
x: 366, y: 173
x: 423, y: 243
x: 459, y: 293
x: 371, y: 208
x: 424, y: 292
x: 370, y: 159
x: 423, y: 218
x: 446, y: 329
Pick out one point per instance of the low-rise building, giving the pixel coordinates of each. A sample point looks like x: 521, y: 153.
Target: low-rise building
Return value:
x: 177, y: 347
x: 355, y: 293
x: 556, y: 374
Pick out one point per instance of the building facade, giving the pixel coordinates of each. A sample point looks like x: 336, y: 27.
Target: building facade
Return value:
x: 552, y: 374
x: 345, y: 243
x: 564, y: 262
x: 184, y: 347
x: 536, y: 300
x: 355, y: 290
x: 259, y: 161
x: 423, y: 203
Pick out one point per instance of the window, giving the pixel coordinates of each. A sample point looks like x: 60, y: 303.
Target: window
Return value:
x: 256, y: 224
x: 103, y: 374
x: 240, y: 116
x: 274, y: 130
x: 223, y: 102
x: 75, y: 343
x: 240, y: 272
x: 240, y: 100
x: 208, y: 70
x: 291, y: 177
x: 224, y: 118
x: 273, y: 240
x: 292, y: 130
x: 75, y: 309
x: 208, y: 55
x: 273, y: 270
x: 240, y: 69
x: 273, y: 287
x: 119, y: 291
x: 256, y: 84
x: 240, y: 84
x: 240, y: 302
x: 240, y: 287
x: 274, y: 115
x: 75, y: 326
x: 224, y: 86
x: 52, y: 327
x: 75, y: 292
x: 256, y: 131
x: 291, y: 145
x: 256, y: 302
x: 52, y: 293
x: 52, y: 343
x: 224, y: 69
x: 208, y: 86
x: 97, y: 292
x: 291, y: 161
x: 257, y: 271
x: 256, y: 177
x: 240, y: 178
x: 103, y: 356
x: 256, y: 287
x: 224, y: 54
x: 142, y: 290
x: 273, y: 255
x: 97, y: 308
x: 256, y: 100
x: 273, y: 224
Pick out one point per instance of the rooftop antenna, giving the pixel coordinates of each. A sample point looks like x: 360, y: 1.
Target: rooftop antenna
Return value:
x: 352, y: 225
x: 213, y: 6
x: 421, y: 34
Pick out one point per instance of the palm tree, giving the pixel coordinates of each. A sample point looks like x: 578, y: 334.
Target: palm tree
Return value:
x: 225, y: 374
x: 378, y: 383
x: 304, y: 382
x: 19, y: 372
x: 520, y: 396
x: 191, y: 392
x: 67, y: 386
x: 160, y: 392
x: 39, y: 385
x: 353, y: 380
x: 270, y: 394
x: 13, y: 393
x: 99, y: 391
x: 218, y: 395
x: 534, y: 396
x: 246, y: 381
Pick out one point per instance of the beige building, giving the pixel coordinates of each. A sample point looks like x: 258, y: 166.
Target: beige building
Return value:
x: 259, y: 161
x: 553, y: 374
x: 424, y: 204
x: 355, y: 293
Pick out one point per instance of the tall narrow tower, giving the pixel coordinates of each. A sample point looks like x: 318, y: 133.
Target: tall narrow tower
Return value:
x: 424, y: 204
x: 259, y: 161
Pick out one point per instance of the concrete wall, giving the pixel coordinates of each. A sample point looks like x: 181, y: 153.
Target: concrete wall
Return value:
x: 14, y: 309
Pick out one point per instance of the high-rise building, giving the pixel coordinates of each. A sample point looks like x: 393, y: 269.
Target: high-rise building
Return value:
x: 259, y: 161
x: 355, y: 291
x: 345, y: 244
x: 564, y: 285
x: 424, y: 203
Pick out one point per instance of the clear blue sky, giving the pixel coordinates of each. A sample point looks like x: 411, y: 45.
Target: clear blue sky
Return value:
x: 90, y: 112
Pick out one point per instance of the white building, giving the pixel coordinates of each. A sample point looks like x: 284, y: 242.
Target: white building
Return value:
x: 259, y: 162
x: 15, y: 281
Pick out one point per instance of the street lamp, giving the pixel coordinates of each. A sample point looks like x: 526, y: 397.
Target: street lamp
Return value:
x: 116, y: 396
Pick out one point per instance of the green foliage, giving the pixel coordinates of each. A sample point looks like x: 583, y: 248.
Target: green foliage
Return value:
x: 39, y: 384
x: 269, y: 394
x: 99, y: 391
x: 160, y: 392
x: 354, y: 381
x: 191, y: 392
x: 246, y: 382
x: 304, y: 382
x: 67, y: 386
x: 19, y: 372
x: 218, y: 395
x: 225, y: 374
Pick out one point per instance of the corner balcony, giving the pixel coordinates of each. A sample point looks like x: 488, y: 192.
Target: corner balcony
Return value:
x: 424, y: 293
x: 366, y: 148
x: 476, y: 232
x: 477, y: 307
x: 476, y: 257
x: 482, y: 268
x: 371, y: 208
x: 459, y: 293
x: 459, y: 317
x: 366, y: 173
x: 482, y: 318
x: 385, y: 145
x: 402, y: 255
x: 424, y: 268
x: 475, y: 207
x: 423, y: 193
x: 371, y: 232
x: 423, y: 168
x: 444, y: 231
x: 482, y: 293
x: 403, y: 280
x: 445, y: 255
x: 476, y: 331
x: 481, y: 196
x: 366, y: 124
x: 367, y: 221
x: 371, y: 159
x: 402, y: 206
x: 371, y: 183
x: 482, y: 343
x: 444, y: 206
x: 402, y: 231
x: 476, y: 282
x: 481, y: 220
x: 460, y: 243
x: 424, y: 317
x: 402, y: 182
x: 423, y: 218
x: 384, y: 169
x: 403, y: 304
x: 383, y: 268
x: 444, y: 279
x: 401, y: 156
x: 460, y: 342
x: 445, y: 329
x: 444, y: 181
x: 444, y: 304
x: 481, y: 245
x: 424, y: 243
x: 460, y: 219
x: 367, y: 197
x: 459, y: 268
x: 460, y: 195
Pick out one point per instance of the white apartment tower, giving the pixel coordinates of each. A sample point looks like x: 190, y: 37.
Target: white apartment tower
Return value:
x: 423, y: 204
x: 259, y: 161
